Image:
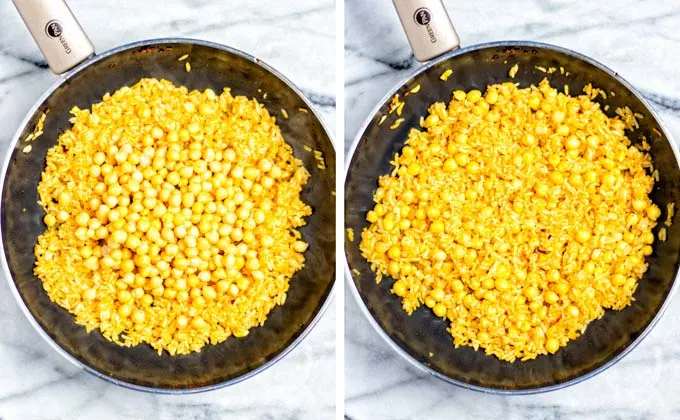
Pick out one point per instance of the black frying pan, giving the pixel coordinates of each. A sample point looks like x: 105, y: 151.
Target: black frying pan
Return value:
x: 422, y: 338
x: 213, y: 66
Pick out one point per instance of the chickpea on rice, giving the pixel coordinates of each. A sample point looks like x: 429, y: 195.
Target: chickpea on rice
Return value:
x: 171, y: 217
x: 518, y: 215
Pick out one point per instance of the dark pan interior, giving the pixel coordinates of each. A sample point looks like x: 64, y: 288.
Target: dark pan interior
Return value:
x: 422, y: 334
x: 214, y: 68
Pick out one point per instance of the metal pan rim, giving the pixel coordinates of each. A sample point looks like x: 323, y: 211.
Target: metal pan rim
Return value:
x: 3, y: 259
x: 355, y: 291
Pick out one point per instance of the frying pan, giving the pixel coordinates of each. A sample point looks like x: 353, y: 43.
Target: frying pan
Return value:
x: 84, y: 83
x: 422, y: 338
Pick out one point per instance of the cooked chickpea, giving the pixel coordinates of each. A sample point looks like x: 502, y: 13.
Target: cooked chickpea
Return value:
x: 653, y: 212
x: 639, y: 205
x: 491, y: 97
x: 551, y: 297
x: 562, y: 288
x: 531, y: 292
x: 413, y: 169
x: 138, y: 316
x: 399, y: 288
x: 439, y: 310
x: 394, y: 253
x: 474, y: 95
x: 552, y: 345
x: 439, y: 255
x: 583, y: 235
x: 542, y: 189
x: 82, y: 219
x: 618, y: 279
x: 502, y: 285
x: 461, y: 159
x: 50, y: 220
x: 437, y: 227
x: 572, y: 143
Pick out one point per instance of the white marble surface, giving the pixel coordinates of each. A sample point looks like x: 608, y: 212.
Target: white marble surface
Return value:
x: 637, y: 38
x: 297, y: 38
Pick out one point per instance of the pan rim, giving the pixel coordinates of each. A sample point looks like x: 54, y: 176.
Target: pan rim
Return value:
x: 357, y: 295
x: 10, y: 279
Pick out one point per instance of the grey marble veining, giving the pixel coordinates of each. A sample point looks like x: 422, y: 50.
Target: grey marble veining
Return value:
x: 297, y: 38
x: 639, y: 39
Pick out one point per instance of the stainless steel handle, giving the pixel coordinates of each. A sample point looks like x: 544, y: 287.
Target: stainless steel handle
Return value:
x: 54, y: 28
x: 428, y: 27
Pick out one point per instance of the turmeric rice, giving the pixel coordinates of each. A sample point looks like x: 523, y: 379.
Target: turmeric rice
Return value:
x: 171, y: 217
x: 518, y: 215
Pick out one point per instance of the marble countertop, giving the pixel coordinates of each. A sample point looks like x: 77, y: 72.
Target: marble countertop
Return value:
x: 297, y: 38
x: 637, y: 38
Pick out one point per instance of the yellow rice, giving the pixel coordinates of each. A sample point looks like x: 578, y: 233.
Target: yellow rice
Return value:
x: 518, y: 215
x: 244, y: 219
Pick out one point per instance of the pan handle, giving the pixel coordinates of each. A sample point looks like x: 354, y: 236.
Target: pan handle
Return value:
x: 428, y: 27
x: 59, y: 36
